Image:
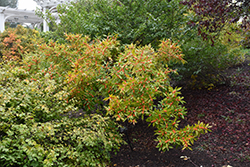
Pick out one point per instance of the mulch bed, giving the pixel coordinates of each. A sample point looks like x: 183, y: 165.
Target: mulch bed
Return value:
x: 226, y: 108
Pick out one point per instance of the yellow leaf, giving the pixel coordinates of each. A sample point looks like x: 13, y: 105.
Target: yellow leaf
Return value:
x: 185, y: 158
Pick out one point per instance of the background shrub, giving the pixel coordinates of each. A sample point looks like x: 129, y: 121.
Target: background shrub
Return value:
x: 245, y: 32
x: 140, y: 22
x: 52, y: 36
x: 206, y: 60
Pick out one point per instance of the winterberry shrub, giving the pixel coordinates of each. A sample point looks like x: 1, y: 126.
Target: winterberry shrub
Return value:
x: 131, y: 85
x: 14, y: 42
x: 142, y: 78
x: 35, y: 129
x: 64, y: 64
x: 131, y: 81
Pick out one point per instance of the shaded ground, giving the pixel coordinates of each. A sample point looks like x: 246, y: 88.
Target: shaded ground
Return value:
x: 226, y: 108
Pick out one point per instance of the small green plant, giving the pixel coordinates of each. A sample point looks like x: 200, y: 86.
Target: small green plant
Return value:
x: 227, y: 118
x: 201, y: 115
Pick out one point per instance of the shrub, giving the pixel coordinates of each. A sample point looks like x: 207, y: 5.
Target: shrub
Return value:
x: 139, y: 21
x: 58, y: 60
x: 36, y: 131
x: 232, y: 37
x: 207, y: 60
x: 14, y: 42
x: 143, y: 89
x: 245, y: 32
x: 132, y: 83
x: 52, y: 36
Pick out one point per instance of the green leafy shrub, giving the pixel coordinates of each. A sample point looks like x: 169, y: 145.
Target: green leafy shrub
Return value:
x: 204, y: 62
x: 207, y: 60
x: 52, y: 35
x: 35, y: 129
x: 14, y: 42
x: 232, y: 37
x: 143, y: 89
x: 138, y: 21
x: 245, y: 32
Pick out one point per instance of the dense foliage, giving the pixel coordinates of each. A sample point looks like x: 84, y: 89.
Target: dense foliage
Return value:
x: 246, y: 34
x: 215, y: 14
x: 207, y: 60
x: 120, y: 72
x: 9, y: 3
x: 14, y: 42
x: 36, y: 131
x: 139, y: 21
x: 148, y: 24
x: 130, y: 81
x: 43, y: 90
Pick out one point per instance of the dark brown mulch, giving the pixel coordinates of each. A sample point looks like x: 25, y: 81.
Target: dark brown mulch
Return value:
x: 226, y: 108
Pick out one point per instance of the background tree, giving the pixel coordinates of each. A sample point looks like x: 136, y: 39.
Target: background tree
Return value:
x: 138, y: 21
x: 10, y: 3
x: 213, y: 15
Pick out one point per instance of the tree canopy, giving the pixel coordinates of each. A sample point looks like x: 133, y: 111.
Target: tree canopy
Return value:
x: 213, y: 15
x: 10, y: 3
x: 138, y: 21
